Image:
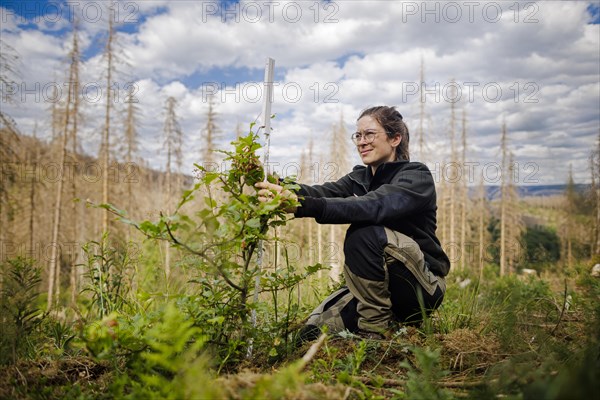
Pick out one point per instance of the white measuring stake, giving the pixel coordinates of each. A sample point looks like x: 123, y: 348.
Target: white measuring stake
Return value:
x: 266, y: 124
x: 266, y: 114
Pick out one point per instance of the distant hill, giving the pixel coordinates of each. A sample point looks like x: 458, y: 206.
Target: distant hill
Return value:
x: 493, y: 192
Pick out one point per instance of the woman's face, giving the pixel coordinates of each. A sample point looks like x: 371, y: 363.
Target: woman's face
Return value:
x: 381, y: 149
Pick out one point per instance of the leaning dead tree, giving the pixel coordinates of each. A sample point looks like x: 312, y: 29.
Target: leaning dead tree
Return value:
x: 173, y: 143
x: 510, y: 220
x: 131, y: 145
x: 69, y: 122
x: 109, y: 54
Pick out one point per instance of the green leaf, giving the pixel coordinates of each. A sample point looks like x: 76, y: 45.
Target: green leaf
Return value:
x: 216, y: 320
x: 211, y: 223
x: 273, y: 352
x: 150, y: 228
x: 127, y: 221
x: 209, y: 177
x: 210, y: 202
x: 271, y: 205
x: 204, y: 213
x: 278, y: 223
x: 253, y: 223
x: 344, y: 378
x: 311, y: 269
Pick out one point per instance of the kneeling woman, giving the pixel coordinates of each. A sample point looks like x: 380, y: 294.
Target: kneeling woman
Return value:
x: 394, y: 264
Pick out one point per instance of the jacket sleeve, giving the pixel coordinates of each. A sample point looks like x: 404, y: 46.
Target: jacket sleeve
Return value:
x: 410, y: 192
x: 340, y: 188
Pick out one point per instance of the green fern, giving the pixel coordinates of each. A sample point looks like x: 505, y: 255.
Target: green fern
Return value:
x: 21, y: 315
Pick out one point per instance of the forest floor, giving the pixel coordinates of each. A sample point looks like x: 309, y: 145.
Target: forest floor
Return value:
x: 517, y: 338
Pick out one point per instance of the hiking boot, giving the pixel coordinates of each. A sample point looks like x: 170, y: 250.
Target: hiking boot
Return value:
x: 370, y: 335
x: 308, y: 333
x: 380, y: 334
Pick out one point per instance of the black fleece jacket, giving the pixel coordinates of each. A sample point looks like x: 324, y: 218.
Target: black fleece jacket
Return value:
x: 400, y: 196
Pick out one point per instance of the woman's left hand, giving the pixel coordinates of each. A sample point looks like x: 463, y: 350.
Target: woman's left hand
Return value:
x: 267, y: 191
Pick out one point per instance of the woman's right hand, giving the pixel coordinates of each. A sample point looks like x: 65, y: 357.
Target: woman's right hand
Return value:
x: 267, y: 191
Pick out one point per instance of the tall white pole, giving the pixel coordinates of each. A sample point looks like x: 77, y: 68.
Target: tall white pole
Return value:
x: 266, y: 124
x: 266, y: 114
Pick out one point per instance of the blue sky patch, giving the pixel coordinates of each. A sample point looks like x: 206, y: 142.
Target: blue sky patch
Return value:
x: 223, y: 77
x: 594, y: 10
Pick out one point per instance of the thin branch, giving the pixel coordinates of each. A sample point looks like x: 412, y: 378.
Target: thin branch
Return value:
x: 562, y: 312
x: 312, y: 351
x: 201, y: 254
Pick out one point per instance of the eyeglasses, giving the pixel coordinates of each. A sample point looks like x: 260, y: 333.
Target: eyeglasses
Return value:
x: 366, y: 138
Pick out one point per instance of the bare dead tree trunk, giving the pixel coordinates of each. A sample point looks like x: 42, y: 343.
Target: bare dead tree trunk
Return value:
x: 131, y: 147
x: 452, y: 183
x: 54, y: 265
x: 339, y: 150
x: 443, y: 209
x: 9, y: 72
x: 503, y: 201
x: 320, y: 234
x: 105, y: 150
x: 594, y: 246
x: 320, y: 250
x: 309, y: 223
x: 34, y: 163
x: 482, y: 198
x: 70, y: 120
x: 173, y: 140
x: 514, y: 224
x: 421, y: 131
x: 210, y: 134
x: 336, y: 269
x: 75, y: 206
x: 464, y: 197
x: 54, y: 114
x: 169, y: 194
x: 596, y: 171
x: 238, y: 131
x: 569, y: 252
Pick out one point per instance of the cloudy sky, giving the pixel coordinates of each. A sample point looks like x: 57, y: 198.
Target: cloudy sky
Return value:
x: 534, y: 65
